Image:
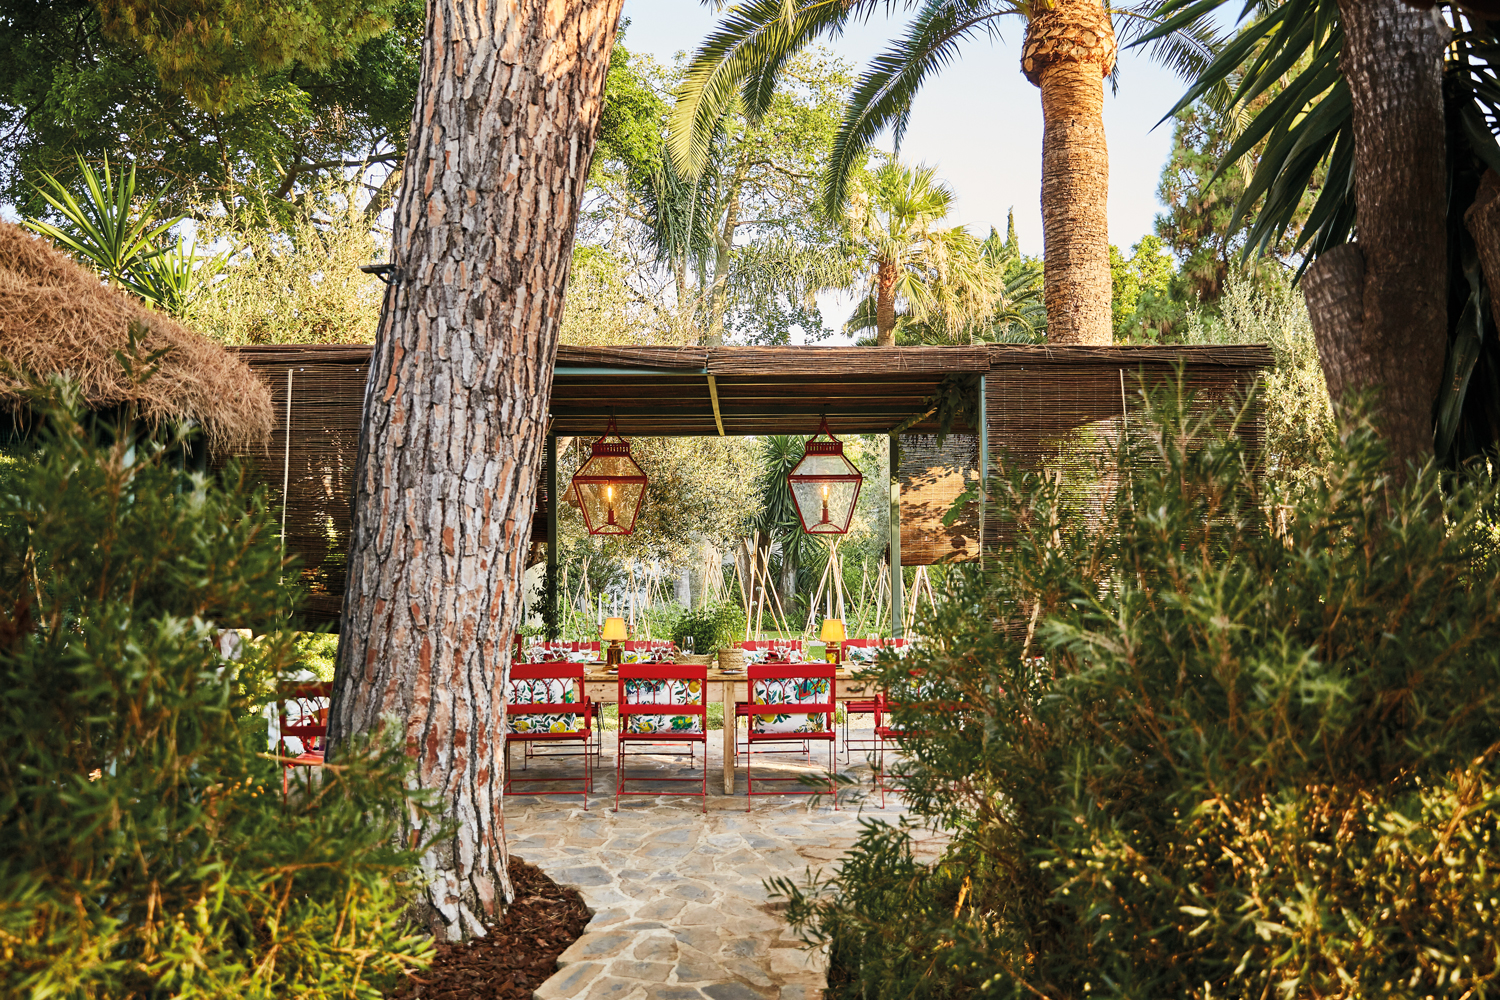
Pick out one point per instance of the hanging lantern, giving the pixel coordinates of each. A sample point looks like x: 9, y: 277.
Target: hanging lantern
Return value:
x: 610, y: 486
x: 825, y: 485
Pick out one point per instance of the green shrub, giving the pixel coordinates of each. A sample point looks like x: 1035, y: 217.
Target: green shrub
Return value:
x: 1205, y: 754
x: 145, y: 850
x: 713, y: 625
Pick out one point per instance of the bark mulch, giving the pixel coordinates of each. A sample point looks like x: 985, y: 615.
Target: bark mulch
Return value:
x: 519, y: 953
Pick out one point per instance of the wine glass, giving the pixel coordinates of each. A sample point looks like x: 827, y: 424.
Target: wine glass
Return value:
x: 687, y: 645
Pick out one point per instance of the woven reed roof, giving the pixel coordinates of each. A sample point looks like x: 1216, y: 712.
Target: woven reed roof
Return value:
x: 56, y: 318
x: 671, y: 391
x: 1036, y: 397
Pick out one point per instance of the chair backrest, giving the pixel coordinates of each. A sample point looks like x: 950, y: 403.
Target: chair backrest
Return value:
x: 307, y: 720
x: 646, y: 688
x: 544, y: 698
x: 807, y: 687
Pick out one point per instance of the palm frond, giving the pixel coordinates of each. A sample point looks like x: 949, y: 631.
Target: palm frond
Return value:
x: 883, y: 95
x: 741, y: 60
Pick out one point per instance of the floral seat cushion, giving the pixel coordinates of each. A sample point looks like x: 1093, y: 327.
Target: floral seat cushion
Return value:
x: 542, y: 691
x: 646, y: 691
x: 778, y: 693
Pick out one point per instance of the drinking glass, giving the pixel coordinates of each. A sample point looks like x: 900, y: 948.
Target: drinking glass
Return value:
x: 687, y: 645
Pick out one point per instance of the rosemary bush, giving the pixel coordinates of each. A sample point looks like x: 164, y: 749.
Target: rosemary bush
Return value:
x: 145, y: 850
x: 1203, y: 754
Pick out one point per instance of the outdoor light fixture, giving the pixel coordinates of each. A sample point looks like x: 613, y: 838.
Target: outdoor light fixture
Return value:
x: 825, y: 485
x: 614, y: 633
x: 833, y: 633
x: 610, y: 486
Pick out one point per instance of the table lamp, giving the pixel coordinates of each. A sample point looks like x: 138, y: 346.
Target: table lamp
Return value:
x: 614, y: 633
x: 833, y: 632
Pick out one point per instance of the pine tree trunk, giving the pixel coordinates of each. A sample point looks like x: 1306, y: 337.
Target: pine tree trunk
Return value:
x: 456, y: 409
x: 1379, y: 306
x: 1069, y: 49
x: 885, y: 304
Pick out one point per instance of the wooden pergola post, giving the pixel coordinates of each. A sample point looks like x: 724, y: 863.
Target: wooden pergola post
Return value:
x: 554, y: 622
x: 897, y: 630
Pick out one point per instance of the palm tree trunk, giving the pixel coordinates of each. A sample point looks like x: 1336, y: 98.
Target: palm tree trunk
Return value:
x: 885, y: 304
x: 456, y: 411
x: 1379, y: 306
x: 1069, y: 49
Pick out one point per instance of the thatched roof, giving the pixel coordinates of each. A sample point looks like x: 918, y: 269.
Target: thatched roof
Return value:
x: 56, y: 317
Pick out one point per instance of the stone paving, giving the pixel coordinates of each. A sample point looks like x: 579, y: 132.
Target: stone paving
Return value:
x: 680, y: 908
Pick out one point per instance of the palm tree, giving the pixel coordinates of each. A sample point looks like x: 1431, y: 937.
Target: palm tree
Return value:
x: 932, y: 285
x: 1069, y: 48
x: 1400, y: 156
x: 914, y: 263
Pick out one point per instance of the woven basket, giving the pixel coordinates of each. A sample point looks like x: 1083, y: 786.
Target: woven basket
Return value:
x: 696, y: 660
x: 731, y: 659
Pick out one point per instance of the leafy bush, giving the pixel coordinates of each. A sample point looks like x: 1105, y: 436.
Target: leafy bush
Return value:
x: 145, y: 849
x: 1202, y: 754
x: 713, y: 625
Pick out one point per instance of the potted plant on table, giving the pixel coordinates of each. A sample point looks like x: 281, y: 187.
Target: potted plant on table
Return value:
x: 712, y: 627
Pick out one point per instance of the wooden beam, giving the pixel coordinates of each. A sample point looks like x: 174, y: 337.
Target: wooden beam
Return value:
x: 713, y: 394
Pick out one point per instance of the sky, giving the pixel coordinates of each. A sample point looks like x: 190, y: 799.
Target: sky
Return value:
x: 980, y: 122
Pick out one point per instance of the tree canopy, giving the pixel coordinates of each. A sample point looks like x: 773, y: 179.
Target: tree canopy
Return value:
x: 330, y: 89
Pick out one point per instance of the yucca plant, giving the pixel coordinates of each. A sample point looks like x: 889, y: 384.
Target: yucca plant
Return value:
x: 121, y: 235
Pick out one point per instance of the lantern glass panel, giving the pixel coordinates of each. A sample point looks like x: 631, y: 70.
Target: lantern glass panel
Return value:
x: 825, y: 489
x: 609, y: 489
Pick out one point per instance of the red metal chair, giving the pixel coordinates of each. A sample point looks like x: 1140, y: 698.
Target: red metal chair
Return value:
x: 546, y: 704
x: 802, y: 698
x: 862, y: 706
x: 307, y: 723
x: 662, y: 703
x: 887, y: 731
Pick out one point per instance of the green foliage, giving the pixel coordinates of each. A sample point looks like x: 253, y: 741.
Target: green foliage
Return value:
x: 146, y: 850
x: 1299, y: 427
x: 739, y: 251
x: 1281, y: 77
x: 1138, y: 284
x: 217, y: 52
x: 69, y: 89
x: 740, y: 63
x: 121, y: 237
x: 294, y: 277
x: 1204, y: 753
x: 1200, y: 225
x: 712, y: 625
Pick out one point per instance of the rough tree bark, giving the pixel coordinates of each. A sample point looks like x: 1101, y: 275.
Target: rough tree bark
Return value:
x: 1483, y: 222
x: 456, y: 408
x: 886, y: 274
x: 1068, y: 51
x: 1379, y: 305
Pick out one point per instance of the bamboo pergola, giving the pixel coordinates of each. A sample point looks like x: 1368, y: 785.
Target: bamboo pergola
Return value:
x: 1038, y: 404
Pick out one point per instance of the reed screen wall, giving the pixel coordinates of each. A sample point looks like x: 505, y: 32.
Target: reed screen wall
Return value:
x: 1054, y: 410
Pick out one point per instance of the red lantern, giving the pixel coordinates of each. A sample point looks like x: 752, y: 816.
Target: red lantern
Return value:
x: 610, y: 486
x: 825, y: 485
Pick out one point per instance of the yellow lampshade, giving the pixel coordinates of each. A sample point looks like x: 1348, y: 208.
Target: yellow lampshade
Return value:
x: 614, y: 630
x: 833, y: 630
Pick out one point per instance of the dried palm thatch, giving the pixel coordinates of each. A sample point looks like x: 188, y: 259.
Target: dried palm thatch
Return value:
x: 56, y: 318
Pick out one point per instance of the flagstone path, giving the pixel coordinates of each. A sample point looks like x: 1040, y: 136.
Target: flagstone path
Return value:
x: 681, y: 911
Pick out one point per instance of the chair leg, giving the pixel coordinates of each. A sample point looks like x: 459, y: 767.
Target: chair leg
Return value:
x: 833, y: 786
x: 705, y: 772
x: 587, y: 774
x: 619, y: 769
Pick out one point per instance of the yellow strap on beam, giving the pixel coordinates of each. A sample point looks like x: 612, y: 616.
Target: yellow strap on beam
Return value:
x: 713, y: 394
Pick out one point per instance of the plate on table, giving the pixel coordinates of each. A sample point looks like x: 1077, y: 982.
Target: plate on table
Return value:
x: 731, y: 670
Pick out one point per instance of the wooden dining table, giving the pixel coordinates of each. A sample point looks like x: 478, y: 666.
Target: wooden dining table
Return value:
x: 851, y: 682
